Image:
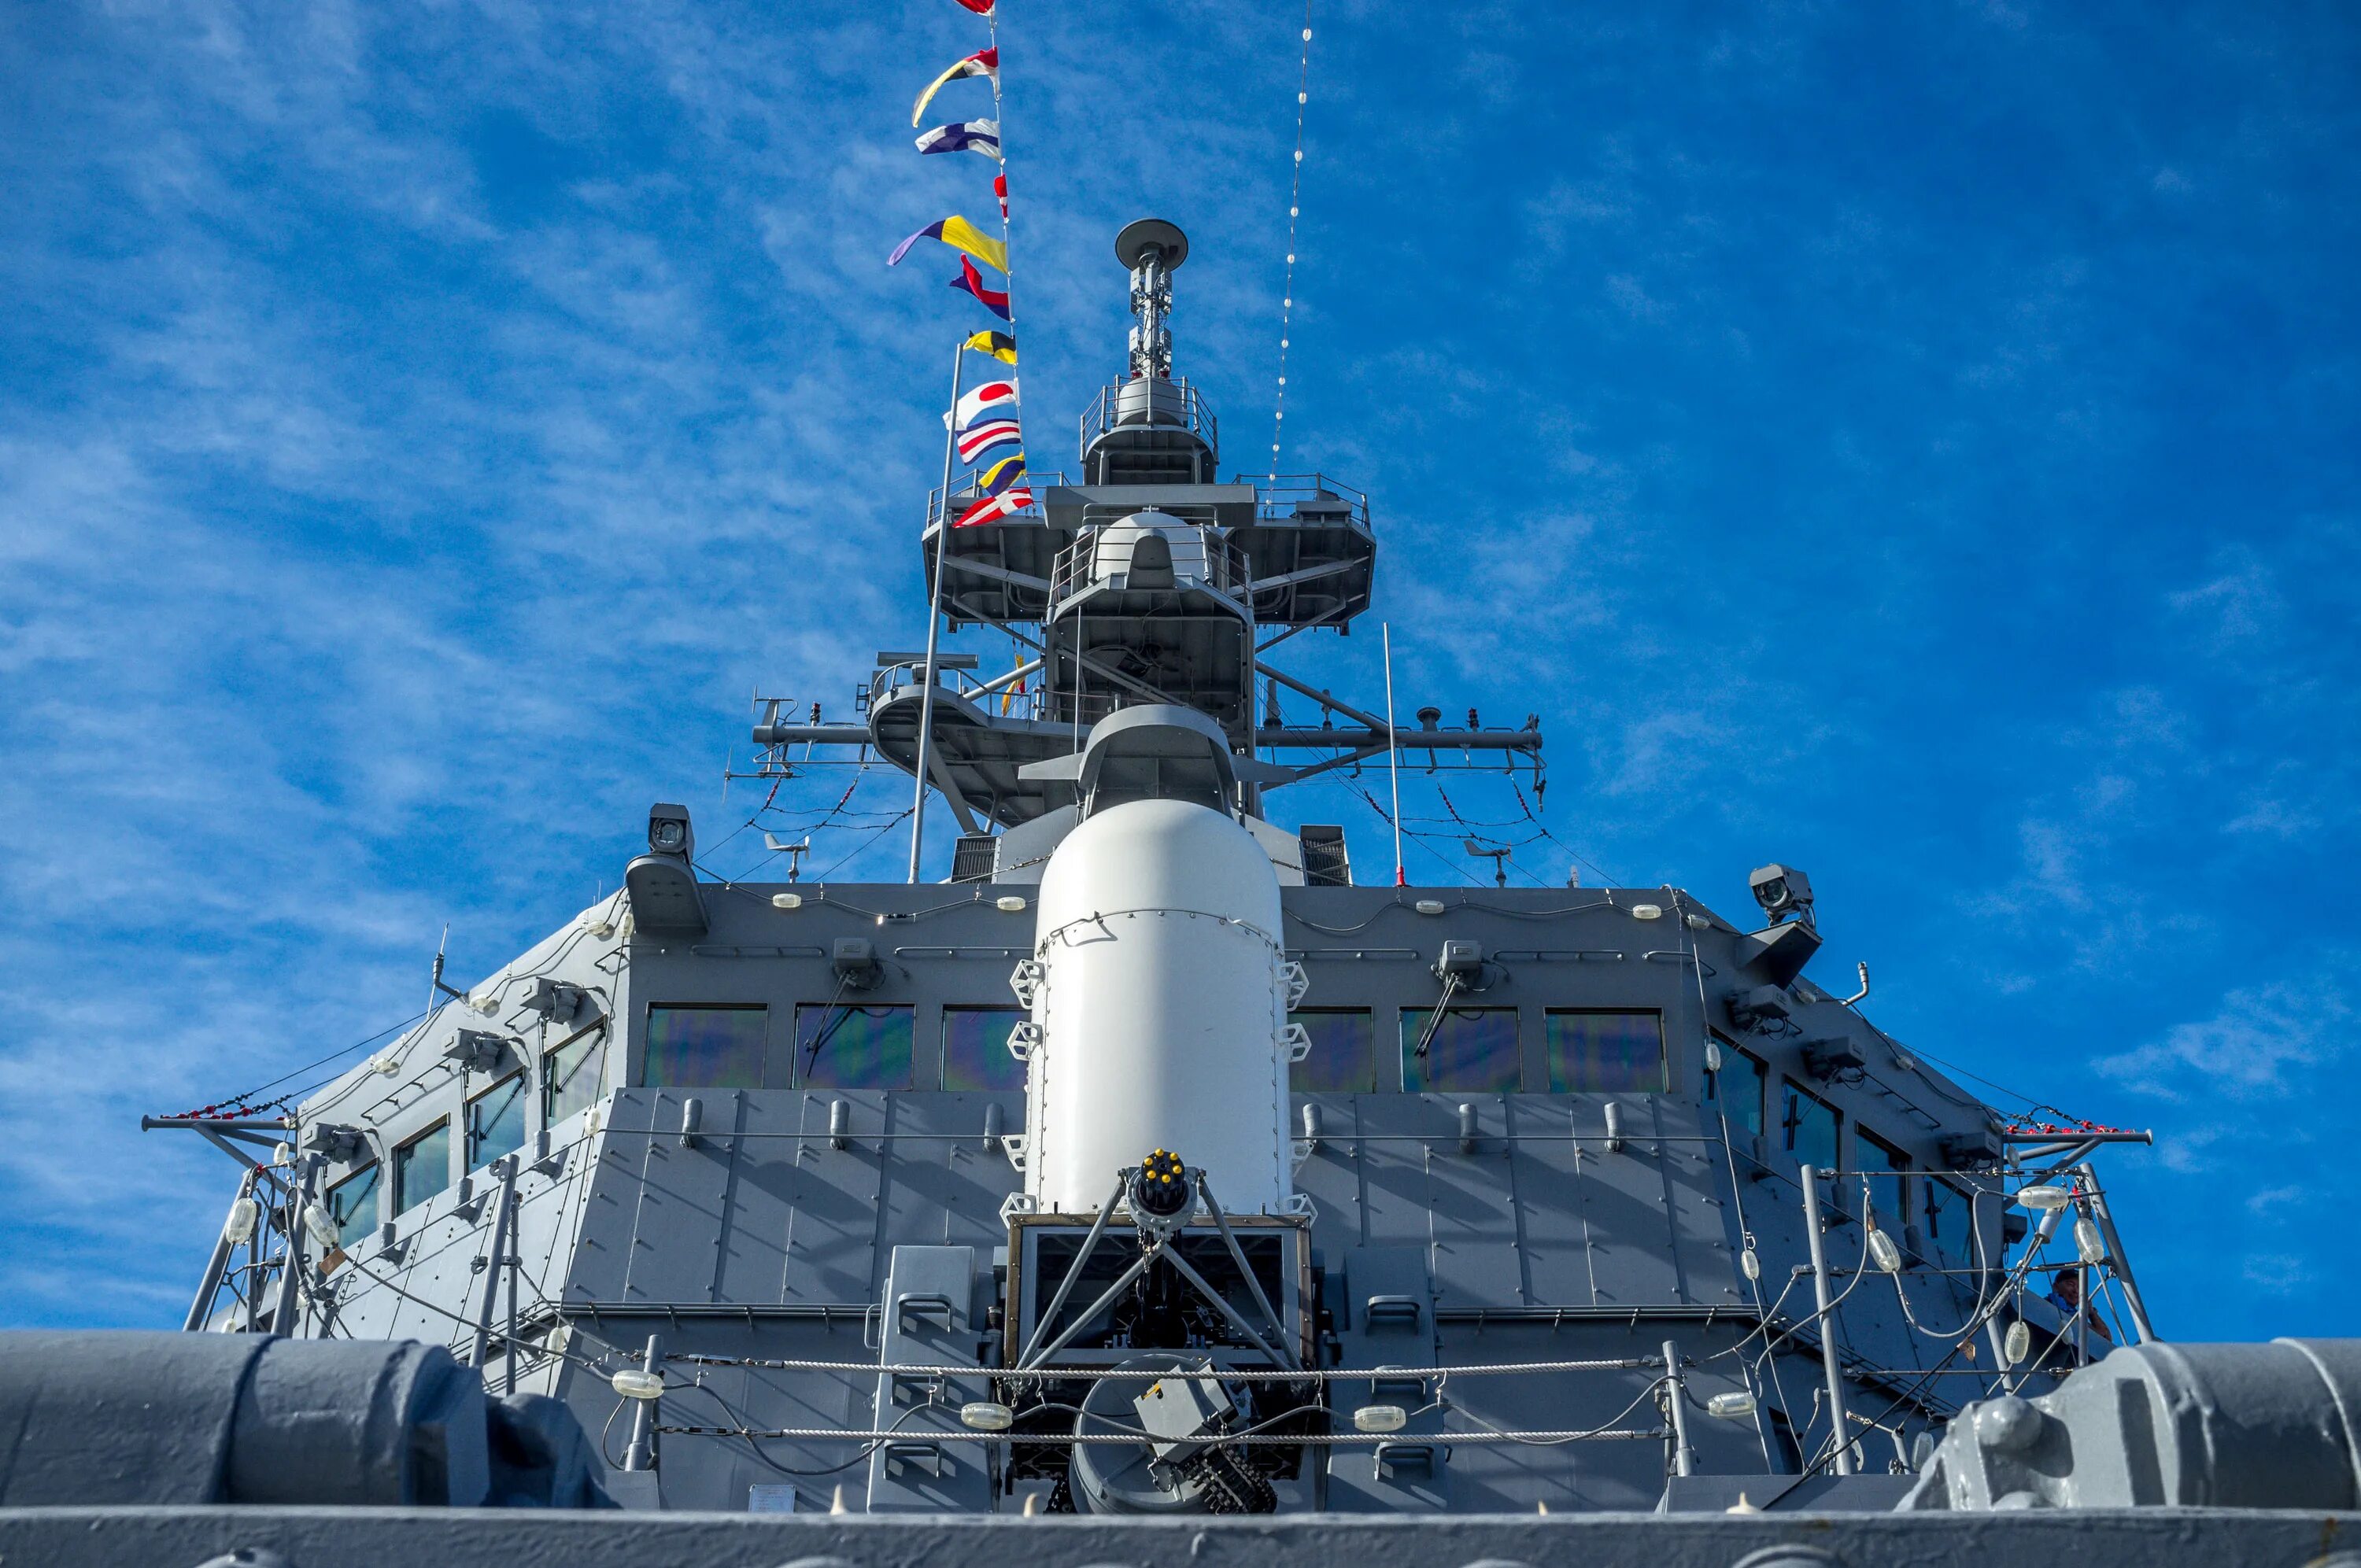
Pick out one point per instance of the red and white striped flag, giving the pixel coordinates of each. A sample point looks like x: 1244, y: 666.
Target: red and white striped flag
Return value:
x: 974, y: 443
x: 991, y: 509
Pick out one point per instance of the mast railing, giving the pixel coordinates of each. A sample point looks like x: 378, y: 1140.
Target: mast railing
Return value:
x: 1105, y: 413
x: 964, y: 498
x: 1292, y: 497
x: 900, y: 675
x: 1226, y: 569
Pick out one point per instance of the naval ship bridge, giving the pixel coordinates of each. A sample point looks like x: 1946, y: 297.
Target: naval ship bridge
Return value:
x: 810, y: 1196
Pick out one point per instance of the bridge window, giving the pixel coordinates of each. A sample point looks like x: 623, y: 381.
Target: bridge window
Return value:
x: 1809, y: 1125
x: 1467, y: 1048
x: 1604, y: 1052
x: 1344, y: 1058
x: 1949, y: 1219
x: 1736, y: 1091
x: 705, y: 1047
x: 853, y: 1047
x: 421, y: 1168
x: 975, y: 1048
x: 1891, y: 1196
x: 570, y: 1077
x: 352, y: 1204
x: 496, y: 1121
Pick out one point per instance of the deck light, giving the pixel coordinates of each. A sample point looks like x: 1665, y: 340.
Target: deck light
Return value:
x: 1429, y: 907
x: 2044, y: 1198
x: 1882, y: 1252
x: 635, y: 1385
x: 2089, y: 1243
x: 1647, y: 912
x: 243, y: 1215
x: 786, y: 901
x: 323, y: 1228
x: 1381, y: 1418
x: 1009, y: 904
x: 986, y: 1415
x: 1734, y: 1406
x: 2015, y: 1344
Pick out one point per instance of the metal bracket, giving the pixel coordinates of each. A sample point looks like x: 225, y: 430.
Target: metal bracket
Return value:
x: 925, y: 1456
x: 1023, y: 1038
x: 1393, y: 1456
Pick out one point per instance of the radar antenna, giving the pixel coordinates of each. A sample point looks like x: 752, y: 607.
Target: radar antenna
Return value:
x: 1151, y: 248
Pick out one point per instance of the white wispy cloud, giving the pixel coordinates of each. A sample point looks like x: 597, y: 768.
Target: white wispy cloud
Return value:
x: 2264, y: 1043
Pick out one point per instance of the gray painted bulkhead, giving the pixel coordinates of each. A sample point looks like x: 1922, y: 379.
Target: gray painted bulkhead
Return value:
x: 764, y: 1239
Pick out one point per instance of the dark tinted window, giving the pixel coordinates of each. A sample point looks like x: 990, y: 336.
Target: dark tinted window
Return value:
x: 570, y: 1077
x: 1604, y: 1052
x: 1737, y: 1090
x: 975, y: 1048
x: 1344, y: 1058
x: 705, y: 1047
x: 352, y: 1204
x: 1891, y: 1196
x: 1809, y: 1129
x: 496, y: 1121
x: 1467, y: 1048
x: 1948, y: 1219
x: 421, y: 1168
x: 853, y: 1047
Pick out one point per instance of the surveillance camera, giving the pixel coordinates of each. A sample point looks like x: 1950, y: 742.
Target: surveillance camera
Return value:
x: 1782, y: 891
x: 669, y: 831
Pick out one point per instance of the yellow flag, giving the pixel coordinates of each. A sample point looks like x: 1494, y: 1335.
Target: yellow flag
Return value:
x: 962, y: 234
x: 959, y: 235
x: 999, y: 345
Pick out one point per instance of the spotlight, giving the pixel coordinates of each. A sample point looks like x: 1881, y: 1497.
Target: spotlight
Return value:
x: 1783, y: 893
x: 554, y: 1000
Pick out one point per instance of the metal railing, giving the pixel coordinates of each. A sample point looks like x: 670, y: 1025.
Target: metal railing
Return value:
x: 889, y: 679
x: 1226, y: 570
x: 964, y: 499
x: 1289, y: 498
x: 1193, y: 416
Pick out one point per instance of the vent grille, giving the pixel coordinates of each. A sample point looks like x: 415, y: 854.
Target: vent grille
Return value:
x: 973, y: 858
x: 1326, y: 863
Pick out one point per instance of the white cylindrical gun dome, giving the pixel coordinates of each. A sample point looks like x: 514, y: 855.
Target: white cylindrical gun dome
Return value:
x: 1162, y: 1008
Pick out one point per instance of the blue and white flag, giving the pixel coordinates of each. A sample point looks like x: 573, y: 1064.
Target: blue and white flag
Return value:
x: 965, y: 135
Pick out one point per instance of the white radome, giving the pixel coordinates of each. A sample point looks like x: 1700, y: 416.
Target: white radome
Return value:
x: 1163, y: 1004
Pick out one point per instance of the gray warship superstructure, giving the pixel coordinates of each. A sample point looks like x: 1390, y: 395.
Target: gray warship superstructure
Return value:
x: 1156, y: 1166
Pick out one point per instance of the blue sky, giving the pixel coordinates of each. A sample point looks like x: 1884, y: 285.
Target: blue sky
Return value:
x: 1915, y: 444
